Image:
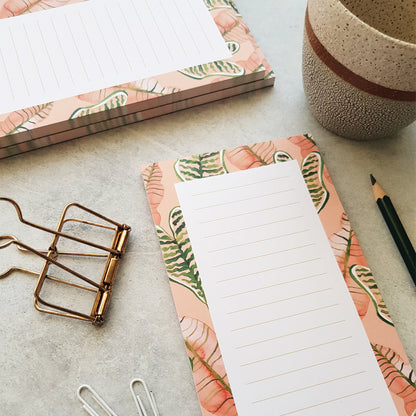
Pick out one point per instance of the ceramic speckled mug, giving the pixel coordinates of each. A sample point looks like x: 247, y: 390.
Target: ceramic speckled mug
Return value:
x: 359, y: 65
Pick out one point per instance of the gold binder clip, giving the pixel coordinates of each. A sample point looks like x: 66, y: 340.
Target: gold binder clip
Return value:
x: 110, y: 254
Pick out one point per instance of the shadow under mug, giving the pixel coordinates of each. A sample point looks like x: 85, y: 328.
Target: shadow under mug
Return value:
x: 359, y: 65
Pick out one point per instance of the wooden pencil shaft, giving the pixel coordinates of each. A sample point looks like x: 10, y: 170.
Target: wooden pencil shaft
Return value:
x: 399, y: 234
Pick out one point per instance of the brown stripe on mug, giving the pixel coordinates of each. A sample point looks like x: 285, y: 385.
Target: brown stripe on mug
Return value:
x: 349, y: 76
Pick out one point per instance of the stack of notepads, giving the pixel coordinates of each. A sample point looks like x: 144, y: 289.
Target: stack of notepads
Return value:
x: 80, y: 69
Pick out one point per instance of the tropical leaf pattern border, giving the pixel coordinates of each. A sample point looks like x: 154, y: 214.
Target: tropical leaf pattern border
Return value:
x: 350, y: 258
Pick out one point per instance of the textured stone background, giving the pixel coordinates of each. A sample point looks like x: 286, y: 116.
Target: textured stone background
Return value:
x: 43, y: 359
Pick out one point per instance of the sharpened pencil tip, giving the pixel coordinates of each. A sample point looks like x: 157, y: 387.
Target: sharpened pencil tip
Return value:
x: 373, y: 179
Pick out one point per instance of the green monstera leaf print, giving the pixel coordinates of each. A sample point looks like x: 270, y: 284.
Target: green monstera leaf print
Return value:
x: 114, y: 100
x: 178, y: 256
x: 312, y: 169
x: 200, y: 166
x: 214, y: 69
x: 364, y: 278
x: 281, y: 156
x: 221, y: 4
x: 233, y: 46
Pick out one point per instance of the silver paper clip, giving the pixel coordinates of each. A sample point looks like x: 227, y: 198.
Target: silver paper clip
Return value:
x: 98, y: 399
x: 106, y: 408
x: 149, y: 395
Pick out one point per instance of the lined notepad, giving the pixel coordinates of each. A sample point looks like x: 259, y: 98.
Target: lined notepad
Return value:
x: 70, y: 50
x: 291, y: 338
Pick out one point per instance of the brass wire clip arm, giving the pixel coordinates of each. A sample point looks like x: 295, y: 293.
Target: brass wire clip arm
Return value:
x: 111, y: 257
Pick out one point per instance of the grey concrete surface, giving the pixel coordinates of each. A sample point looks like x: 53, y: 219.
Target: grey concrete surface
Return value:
x: 43, y: 359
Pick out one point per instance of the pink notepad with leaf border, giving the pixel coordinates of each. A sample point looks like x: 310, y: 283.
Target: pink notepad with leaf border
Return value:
x: 49, y: 123
x: 212, y: 385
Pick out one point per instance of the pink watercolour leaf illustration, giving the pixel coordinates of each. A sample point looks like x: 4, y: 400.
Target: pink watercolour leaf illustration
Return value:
x: 252, y: 156
x: 345, y: 246
x: 24, y: 120
x: 400, y: 378
x: 208, y: 368
x: 152, y: 176
x: 144, y: 89
x: 305, y: 143
x: 17, y: 7
x: 148, y: 88
x: 233, y: 27
x: 348, y: 253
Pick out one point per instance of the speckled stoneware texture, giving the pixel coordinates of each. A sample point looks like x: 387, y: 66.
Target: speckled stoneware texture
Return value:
x: 359, y: 65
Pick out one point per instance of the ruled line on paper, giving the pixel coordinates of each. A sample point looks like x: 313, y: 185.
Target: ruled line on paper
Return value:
x: 258, y: 241
x: 253, y: 227
x: 18, y: 60
x: 284, y: 317
x: 173, y: 30
x: 263, y: 255
x: 309, y: 387
x: 187, y: 27
x: 261, y: 336
x: 150, y: 43
x: 270, y: 286
x: 49, y: 56
x: 303, y: 368
x: 279, y: 300
x: 120, y: 42
x: 76, y: 48
x: 366, y: 411
x: 326, y: 402
x: 268, y: 270
x: 310, y: 347
x: 34, y: 59
x: 197, y: 18
x: 7, y: 75
x: 156, y: 24
x: 132, y: 37
x: 62, y: 50
x: 234, y: 201
x: 99, y: 49
x: 240, y: 186
x: 97, y: 61
x: 98, y: 26
x: 249, y: 212
x: 290, y: 334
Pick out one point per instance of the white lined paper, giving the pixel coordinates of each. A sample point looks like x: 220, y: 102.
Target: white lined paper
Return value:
x: 289, y: 333
x: 79, y: 48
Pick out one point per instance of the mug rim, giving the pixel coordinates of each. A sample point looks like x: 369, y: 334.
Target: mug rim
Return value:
x: 401, y: 42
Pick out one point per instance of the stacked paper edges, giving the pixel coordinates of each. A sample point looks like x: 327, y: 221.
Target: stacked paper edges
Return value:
x: 54, y: 122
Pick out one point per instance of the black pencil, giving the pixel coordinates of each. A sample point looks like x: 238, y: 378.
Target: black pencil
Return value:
x: 395, y: 226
